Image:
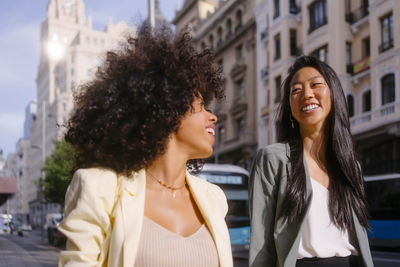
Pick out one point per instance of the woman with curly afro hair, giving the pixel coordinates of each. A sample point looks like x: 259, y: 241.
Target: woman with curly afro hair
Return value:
x: 138, y: 128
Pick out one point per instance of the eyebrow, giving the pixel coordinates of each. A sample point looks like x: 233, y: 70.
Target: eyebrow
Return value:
x: 297, y: 82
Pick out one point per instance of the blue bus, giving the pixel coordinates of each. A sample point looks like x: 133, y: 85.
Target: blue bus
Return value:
x: 383, y: 194
x: 233, y: 180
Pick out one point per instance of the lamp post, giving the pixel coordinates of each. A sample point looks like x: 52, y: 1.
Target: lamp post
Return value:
x: 152, y: 17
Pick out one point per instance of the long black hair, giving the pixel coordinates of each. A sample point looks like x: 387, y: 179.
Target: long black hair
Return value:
x: 346, y: 192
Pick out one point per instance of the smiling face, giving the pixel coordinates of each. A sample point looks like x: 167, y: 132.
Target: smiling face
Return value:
x: 310, y: 99
x: 196, y: 134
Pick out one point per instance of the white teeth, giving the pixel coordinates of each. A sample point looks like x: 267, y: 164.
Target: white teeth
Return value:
x: 309, y: 107
x: 211, y: 131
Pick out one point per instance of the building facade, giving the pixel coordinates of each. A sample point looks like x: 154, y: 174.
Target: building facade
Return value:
x: 71, y: 50
x: 357, y: 38
x: 228, y: 29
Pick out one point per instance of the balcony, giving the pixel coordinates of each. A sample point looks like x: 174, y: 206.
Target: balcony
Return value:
x: 375, y: 118
x: 361, y: 65
x: 387, y: 109
x: 360, y: 119
x: 238, y: 26
x: 356, y: 15
x: 386, y: 46
x: 264, y: 73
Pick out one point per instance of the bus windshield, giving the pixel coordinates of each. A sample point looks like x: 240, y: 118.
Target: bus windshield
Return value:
x: 233, y: 180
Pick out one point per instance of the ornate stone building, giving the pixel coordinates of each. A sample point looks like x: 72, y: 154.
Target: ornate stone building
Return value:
x: 228, y: 28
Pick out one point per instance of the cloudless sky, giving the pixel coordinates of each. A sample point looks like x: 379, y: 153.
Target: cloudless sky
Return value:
x: 19, y: 51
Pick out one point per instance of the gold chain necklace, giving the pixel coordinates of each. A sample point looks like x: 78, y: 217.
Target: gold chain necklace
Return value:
x: 172, y: 189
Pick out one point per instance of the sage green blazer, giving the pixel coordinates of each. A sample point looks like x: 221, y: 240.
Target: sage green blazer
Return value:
x: 274, y: 242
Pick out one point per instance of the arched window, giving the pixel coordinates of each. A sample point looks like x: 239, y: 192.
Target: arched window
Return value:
x: 350, y: 105
x: 238, y: 20
x: 228, y: 28
x: 388, y: 94
x: 211, y: 39
x: 219, y: 34
x: 366, y: 101
x: 203, y: 46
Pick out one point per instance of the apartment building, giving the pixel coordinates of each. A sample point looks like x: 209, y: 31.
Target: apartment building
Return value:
x: 71, y: 50
x: 357, y: 38
x: 228, y: 29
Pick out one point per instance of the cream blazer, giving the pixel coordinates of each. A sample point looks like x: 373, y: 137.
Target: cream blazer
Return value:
x: 104, y: 214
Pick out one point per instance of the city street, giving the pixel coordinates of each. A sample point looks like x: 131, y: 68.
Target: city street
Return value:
x: 28, y: 250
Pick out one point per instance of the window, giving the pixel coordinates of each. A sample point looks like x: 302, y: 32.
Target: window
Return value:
x: 387, y: 89
x: 228, y: 28
x: 211, y: 39
x: 366, y: 101
x: 321, y: 53
x: 386, y: 33
x: 239, y: 86
x: 293, y: 8
x: 276, y: 9
x: 219, y: 33
x: 238, y: 20
x: 278, y: 81
x: 293, y: 43
x: 277, y: 47
x: 239, y: 52
x: 350, y: 105
x: 366, y: 52
x: 240, y: 127
x: 349, y: 65
x: 318, y: 15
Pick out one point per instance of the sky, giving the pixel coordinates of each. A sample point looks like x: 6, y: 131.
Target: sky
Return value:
x: 19, y: 51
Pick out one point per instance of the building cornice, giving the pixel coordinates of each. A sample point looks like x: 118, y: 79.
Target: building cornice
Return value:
x: 186, y: 7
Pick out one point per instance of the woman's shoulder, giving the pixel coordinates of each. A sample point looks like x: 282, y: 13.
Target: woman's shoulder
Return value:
x: 274, y: 152
x: 276, y: 149
x: 95, y: 178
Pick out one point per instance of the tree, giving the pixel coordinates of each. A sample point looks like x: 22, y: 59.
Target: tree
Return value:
x: 58, y: 172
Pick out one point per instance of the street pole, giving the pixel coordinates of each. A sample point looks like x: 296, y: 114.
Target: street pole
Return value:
x: 152, y: 19
x: 43, y: 159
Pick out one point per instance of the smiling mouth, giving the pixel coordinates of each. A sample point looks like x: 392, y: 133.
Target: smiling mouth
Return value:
x: 210, y: 131
x: 310, y: 107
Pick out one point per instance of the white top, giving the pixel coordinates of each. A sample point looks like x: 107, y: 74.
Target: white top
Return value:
x: 160, y: 247
x: 321, y: 237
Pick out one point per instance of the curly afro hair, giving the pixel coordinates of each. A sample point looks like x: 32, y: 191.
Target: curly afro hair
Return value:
x: 124, y: 117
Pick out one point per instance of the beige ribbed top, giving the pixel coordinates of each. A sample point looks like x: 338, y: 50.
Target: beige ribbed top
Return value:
x: 159, y: 247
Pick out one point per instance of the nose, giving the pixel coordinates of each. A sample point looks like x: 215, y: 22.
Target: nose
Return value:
x: 213, y: 118
x: 308, y: 92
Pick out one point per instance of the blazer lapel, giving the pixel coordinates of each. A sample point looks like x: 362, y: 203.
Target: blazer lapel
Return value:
x: 287, y: 236
x: 132, y: 207
x: 214, y: 221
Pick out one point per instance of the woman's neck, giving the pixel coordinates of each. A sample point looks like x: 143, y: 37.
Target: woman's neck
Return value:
x: 170, y: 168
x: 314, y: 145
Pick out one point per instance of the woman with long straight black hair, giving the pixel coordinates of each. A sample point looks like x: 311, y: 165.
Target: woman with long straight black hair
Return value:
x: 307, y: 201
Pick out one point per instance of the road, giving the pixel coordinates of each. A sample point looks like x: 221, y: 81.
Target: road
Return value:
x: 28, y: 250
